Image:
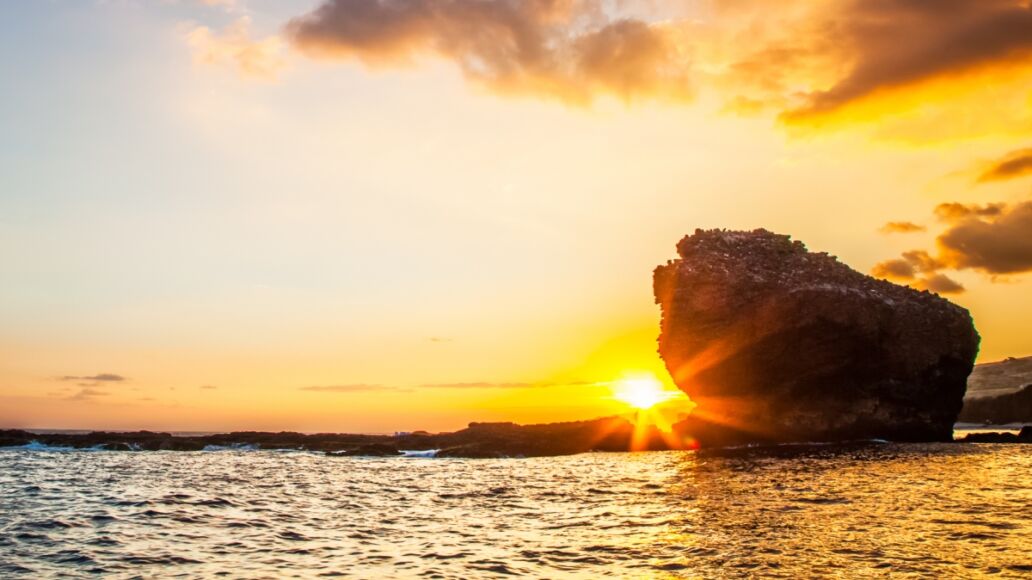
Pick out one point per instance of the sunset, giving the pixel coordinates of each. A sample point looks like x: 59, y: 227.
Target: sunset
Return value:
x: 550, y: 238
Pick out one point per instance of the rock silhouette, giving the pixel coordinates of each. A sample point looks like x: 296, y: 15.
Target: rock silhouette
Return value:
x: 778, y: 344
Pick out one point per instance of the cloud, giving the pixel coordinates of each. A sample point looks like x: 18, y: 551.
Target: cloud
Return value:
x: 87, y: 394
x: 1001, y: 244
x: 208, y: 387
x: 355, y: 388
x: 894, y: 270
x: 940, y: 284
x: 100, y: 377
x: 994, y: 239
x: 440, y: 339
x: 572, y: 50
x: 894, y: 44
x: 901, y: 228
x: 233, y: 46
x: 1015, y: 164
x: 951, y: 212
x: 481, y: 385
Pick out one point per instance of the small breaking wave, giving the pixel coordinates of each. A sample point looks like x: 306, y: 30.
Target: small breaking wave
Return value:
x: 233, y: 447
x: 424, y: 453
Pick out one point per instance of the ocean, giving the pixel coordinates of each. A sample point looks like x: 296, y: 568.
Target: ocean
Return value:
x: 840, y: 511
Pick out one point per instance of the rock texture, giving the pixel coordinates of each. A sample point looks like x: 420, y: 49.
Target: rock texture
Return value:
x: 776, y: 343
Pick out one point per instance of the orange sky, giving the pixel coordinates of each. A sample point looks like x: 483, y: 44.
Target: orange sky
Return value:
x: 261, y: 216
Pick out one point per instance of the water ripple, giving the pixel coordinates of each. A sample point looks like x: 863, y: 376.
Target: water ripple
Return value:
x: 900, y: 510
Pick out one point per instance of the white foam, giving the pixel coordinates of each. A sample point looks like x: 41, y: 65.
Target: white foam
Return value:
x: 234, y: 447
x: 426, y: 453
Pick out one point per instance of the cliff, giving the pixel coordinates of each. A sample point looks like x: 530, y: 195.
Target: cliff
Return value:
x: 777, y: 344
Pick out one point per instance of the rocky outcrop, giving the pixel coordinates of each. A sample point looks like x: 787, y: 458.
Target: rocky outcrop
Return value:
x: 776, y: 343
x: 477, y: 440
x: 1000, y: 410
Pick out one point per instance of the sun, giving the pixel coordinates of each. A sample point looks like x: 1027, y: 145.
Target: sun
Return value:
x: 641, y: 392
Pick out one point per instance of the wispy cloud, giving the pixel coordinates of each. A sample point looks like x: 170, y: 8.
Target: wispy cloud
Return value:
x: 234, y: 46
x: 87, y: 394
x: 355, y: 388
x: 99, y: 377
x: 901, y: 228
x: 1015, y: 164
x: 480, y: 385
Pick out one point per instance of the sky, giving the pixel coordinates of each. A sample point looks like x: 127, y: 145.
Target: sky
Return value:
x: 380, y: 215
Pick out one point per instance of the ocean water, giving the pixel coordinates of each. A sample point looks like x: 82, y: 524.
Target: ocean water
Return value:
x: 875, y: 510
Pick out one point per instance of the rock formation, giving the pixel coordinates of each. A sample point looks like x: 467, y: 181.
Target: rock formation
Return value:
x: 477, y: 440
x: 776, y: 343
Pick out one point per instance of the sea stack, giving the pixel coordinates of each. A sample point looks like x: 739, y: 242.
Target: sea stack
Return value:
x: 779, y: 344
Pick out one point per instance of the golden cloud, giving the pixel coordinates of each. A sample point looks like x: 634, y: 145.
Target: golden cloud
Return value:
x: 1015, y: 164
x: 566, y: 49
x: 998, y: 245
x: 901, y: 228
x: 995, y: 239
x: 895, y: 44
x: 951, y: 212
x: 233, y: 46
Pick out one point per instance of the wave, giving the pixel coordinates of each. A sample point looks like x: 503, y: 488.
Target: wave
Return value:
x: 426, y: 453
x: 232, y: 447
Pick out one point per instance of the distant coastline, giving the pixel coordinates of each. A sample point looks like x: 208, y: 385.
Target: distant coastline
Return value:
x: 478, y: 440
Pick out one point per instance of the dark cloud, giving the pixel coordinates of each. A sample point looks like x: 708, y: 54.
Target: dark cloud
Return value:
x: 1015, y: 164
x: 940, y: 284
x: 101, y: 377
x: 951, y: 212
x: 901, y: 228
x: 568, y: 49
x: 894, y: 270
x: 899, y: 43
x: 995, y: 239
x: 998, y: 245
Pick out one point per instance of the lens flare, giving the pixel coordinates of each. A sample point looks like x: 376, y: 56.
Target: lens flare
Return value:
x: 641, y: 392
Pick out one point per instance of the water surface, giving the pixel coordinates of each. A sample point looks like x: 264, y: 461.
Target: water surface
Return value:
x: 938, y: 510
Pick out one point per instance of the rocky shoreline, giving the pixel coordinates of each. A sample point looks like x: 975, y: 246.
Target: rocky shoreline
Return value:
x: 479, y: 440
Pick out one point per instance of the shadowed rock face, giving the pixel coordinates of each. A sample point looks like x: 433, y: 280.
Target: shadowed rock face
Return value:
x: 776, y: 343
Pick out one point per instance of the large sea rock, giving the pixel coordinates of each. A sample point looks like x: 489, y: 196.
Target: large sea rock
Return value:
x: 778, y: 344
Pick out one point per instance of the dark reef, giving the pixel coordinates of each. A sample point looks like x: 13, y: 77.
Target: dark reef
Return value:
x: 779, y: 344
x: 478, y: 440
